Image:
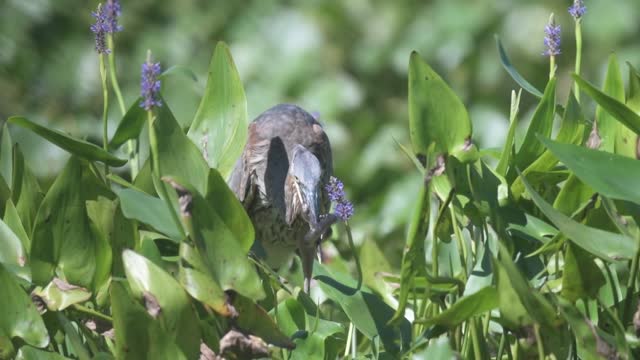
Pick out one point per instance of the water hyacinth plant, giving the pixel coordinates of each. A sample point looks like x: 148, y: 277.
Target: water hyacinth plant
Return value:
x: 139, y: 248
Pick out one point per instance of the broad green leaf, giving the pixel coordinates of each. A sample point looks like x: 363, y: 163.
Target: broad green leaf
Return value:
x: 439, y: 348
x: 31, y: 353
x: 138, y: 335
x: 80, y: 148
x: 581, y: 277
x: 609, y: 174
x: 436, y: 114
x: 587, y: 339
x: 6, y: 155
x: 220, y: 248
x: 508, y: 149
x: 62, y: 240
x: 59, y: 295
x: 13, y: 255
x: 465, y: 308
x: 174, y: 308
x: 130, y: 126
x: 225, y: 203
x: 219, y: 128
x: 27, y: 195
x: 573, y: 194
x: 609, y: 129
x: 149, y: 210
x: 198, y: 282
x: 515, y: 75
x: 18, y: 315
x: 320, y: 334
x: 604, y: 244
x: 368, y: 313
x: 633, y: 97
x: 177, y: 154
x: 571, y: 131
x: 254, y: 319
x: 541, y: 123
x: 12, y: 219
x: 611, y: 105
x: 373, y: 263
x: 101, y: 215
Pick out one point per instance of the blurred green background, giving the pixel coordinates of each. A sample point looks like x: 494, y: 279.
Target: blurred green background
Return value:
x: 346, y: 60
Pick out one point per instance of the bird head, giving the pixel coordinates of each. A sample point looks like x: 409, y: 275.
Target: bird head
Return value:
x: 306, y: 172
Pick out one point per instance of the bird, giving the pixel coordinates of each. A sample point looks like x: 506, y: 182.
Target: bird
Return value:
x: 281, y: 179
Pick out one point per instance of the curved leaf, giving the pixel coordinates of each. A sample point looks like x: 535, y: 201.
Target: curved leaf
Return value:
x: 465, y: 308
x: 436, y: 114
x: 603, y: 244
x: 179, y: 70
x: 614, y: 107
x: 175, y: 312
x: 18, y: 315
x: 515, y: 75
x: 219, y: 128
x: 611, y: 175
x: 80, y: 148
x: 12, y: 252
x: 130, y: 126
x: 149, y: 210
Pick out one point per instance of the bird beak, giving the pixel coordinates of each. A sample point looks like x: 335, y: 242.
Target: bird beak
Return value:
x: 311, y: 202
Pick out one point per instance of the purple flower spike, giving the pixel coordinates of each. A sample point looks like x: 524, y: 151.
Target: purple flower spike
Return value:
x: 552, y: 38
x: 150, y: 85
x: 106, y: 23
x: 335, y: 191
x: 577, y: 10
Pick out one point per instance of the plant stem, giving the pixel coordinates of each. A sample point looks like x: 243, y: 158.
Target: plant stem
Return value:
x: 552, y: 66
x: 578, y: 56
x: 155, y: 169
x: 92, y: 313
x: 131, y: 146
x: 105, y: 111
x: 355, y: 254
x: 631, y: 286
x: 536, y: 329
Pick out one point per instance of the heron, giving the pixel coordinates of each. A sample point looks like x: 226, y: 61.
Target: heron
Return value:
x: 281, y: 181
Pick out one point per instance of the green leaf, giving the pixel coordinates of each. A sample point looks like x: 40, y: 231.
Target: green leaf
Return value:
x: 225, y: 203
x: 515, y: 75
x: 12, y: 219
x: 59, y: 295
x: 220, y: 125
x: 6, y: 155
x: 439, y: 348
x: 163, y: 294
x: 323, y: 338
x: 254, y: 319
x: 465, y: 308
x: 13, y: 255
x: 138, y: 335
x: 27, y: 195
x: 369, y: 314
x: 541, y: 123
x: 581, y: 277
x: 436, y: 114
x: 571, y: 131
x: 18, y: 315
x: 507, y: 149
x: 587, y: 340
x: 149, y: 210
x: 604, y: 244
x: 219, y: 246
x: 177, y: 154
x: 609, y: 174
x: 31, y: 353
x: 130, y: 126
x: 62, y: 240
x: 199, y: 283
x: 608, y: 127
x: 80, y: 148
x: 617, y: 109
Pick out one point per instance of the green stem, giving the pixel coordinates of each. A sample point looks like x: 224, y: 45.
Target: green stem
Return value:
x: 105, y: 110
x: 131, y: 146
x: 631, y: 286
x: 355, y: 254
x: 552, y: 66
x: 578, y: 56
x: 155, y: 169
x: 92, y: 313
x: 475, y: 339
x: 501, y: 346
x: 73, y: 336
x: 536, y: 329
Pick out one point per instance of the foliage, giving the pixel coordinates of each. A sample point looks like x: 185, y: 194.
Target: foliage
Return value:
x: 532, y: 250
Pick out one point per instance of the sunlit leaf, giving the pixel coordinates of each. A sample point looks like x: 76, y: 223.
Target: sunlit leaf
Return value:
x: 219, y: 128
x: 80, y: 148
x: 515, y: 75
x: 465, y: 308
x: 27, y: 195
x: 436, y: 114
x: 130, y: 126
x: 18, y: 315
x: 59, y: 295
x: 175, y: 313
x: 149, y: 210
x: 254, y: 319
x: 13, y: 255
